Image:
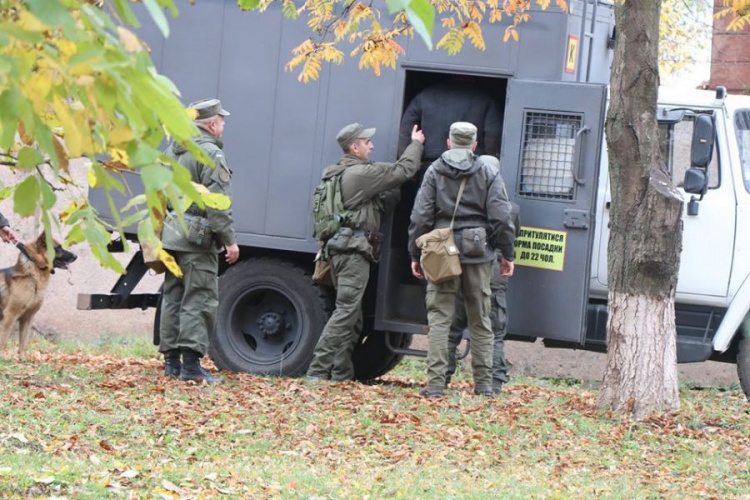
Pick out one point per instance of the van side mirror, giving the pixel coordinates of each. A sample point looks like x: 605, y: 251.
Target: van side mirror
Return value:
x: 696, y: 181
x: 702, y: 148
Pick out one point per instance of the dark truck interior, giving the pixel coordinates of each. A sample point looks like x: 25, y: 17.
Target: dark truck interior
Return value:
x: 401, y: 304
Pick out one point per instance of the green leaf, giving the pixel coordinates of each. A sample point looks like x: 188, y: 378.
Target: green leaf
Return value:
x: 29, y: 158
x: 51, y: 12
x: 126, y: 12
x: 248, y: 4
x: 156, y: 177
x: 13, y: 31
x: 396, y: 5
x: 158, y: 16
x: 48, y: 196
x: 421, y: 15
x: 216, y: 200
x: 26, y: 196
x: 135, y: 200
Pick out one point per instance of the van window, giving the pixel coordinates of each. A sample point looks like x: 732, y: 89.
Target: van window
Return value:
x: 742, y: 125
x: 675, y: 141
x: 548, y: 156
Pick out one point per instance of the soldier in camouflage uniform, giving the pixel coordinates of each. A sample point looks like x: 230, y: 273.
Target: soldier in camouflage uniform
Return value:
x: 367, y: 190
x: 482, y: 225
x: 498, y: 315
x: 6, y: 233
x: 189, y: 304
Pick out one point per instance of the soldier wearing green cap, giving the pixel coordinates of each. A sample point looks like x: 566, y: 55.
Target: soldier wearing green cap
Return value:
x: 6, y: 233
x: 368, y: 189
x: 482, y: 226
x: 189, y: 304
x: 498, y: 314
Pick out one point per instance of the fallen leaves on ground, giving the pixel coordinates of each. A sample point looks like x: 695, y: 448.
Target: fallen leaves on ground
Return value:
x: 78, y: 424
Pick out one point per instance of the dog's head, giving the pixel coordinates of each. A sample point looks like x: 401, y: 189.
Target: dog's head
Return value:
x: 37, y: 251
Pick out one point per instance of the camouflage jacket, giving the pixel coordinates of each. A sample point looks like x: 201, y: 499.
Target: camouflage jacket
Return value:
x: 217, y: 179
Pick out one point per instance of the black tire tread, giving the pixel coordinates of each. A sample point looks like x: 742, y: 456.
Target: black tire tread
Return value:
x: 321, y: 294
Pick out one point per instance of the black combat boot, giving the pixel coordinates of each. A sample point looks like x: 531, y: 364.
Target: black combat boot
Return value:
x: 172, y: 363
x: 192, y: 369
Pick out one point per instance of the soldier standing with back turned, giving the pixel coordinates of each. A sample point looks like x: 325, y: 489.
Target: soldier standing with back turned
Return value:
x: 189, y: 304
x: 482, y: 225
x: 367, y: 190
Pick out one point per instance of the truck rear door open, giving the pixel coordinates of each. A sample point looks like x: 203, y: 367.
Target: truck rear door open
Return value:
x: 550, y: 162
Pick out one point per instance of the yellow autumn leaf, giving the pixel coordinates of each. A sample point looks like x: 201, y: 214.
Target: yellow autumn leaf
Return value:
x: 216, y: 201
x: 121, y: 135
x: 71, y: 209
x: 169, y: 261
x: 200, y: 188
x: 73, y: 137
x: 66, y: 48
x: 129, y: 40
x: 85, y: 80
x: 27, y: 21
x: 119, y: 155
x: 91, y: 175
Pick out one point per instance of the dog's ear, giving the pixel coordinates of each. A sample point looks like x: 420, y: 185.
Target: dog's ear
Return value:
x: 41, y: 242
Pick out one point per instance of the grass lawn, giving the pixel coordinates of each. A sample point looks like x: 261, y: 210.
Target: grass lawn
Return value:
x: 100, y: 421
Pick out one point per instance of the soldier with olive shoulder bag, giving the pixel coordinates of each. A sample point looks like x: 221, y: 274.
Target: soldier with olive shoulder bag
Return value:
x: 461, y: 217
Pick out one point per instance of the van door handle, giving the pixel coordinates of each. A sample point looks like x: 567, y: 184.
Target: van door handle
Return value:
x: 577, y: 160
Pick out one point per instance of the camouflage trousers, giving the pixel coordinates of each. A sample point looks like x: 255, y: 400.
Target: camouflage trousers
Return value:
x: 332, y: 357
x: 474, y: 283
x: 499, y: 320
x: 189, y: 304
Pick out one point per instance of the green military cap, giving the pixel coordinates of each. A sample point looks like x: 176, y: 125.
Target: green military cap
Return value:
x: 207, y: 108
x: 462, y: 134
x: 351, y: 133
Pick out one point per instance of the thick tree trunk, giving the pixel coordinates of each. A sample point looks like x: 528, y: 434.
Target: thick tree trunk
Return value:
x: 645, y: 227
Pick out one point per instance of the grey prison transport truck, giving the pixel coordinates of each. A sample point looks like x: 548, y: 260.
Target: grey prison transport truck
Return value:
x: 551, y: 92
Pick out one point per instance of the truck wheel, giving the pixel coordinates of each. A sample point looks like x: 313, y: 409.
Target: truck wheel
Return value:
x: 743, y: 363
x: 270, y: 316
x: 372, y: 358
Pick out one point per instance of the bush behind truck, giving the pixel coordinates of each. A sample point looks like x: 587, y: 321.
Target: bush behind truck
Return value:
x: 551, y: 93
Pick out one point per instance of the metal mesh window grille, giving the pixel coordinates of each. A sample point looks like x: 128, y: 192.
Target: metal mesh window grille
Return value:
x: 548, y: 156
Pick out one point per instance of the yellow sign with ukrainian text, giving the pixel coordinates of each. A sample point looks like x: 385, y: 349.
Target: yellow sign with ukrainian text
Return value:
x: 571, y: 54
x: 541, y: 248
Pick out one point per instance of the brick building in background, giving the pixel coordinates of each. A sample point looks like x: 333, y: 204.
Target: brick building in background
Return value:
x: 730, y: 56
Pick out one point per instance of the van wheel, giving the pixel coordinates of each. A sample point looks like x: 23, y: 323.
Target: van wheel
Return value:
x: 372, y: 358
x: 743, y: 363
x: 270, y: 316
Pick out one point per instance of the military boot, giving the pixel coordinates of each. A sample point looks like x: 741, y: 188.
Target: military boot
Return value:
x: 192, y: 369
x: 172, y: 363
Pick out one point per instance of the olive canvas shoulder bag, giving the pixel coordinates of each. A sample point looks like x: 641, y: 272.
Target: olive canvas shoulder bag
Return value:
x: 440, y: 255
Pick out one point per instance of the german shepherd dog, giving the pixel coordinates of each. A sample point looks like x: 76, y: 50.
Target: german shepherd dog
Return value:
x: 22, y: 288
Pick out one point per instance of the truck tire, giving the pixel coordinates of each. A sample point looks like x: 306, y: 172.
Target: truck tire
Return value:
x: 743, y: 363
x: 372, y: 358
x: 270, y: 316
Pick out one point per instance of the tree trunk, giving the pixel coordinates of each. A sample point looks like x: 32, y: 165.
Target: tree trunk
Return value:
x: 645, y: 227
